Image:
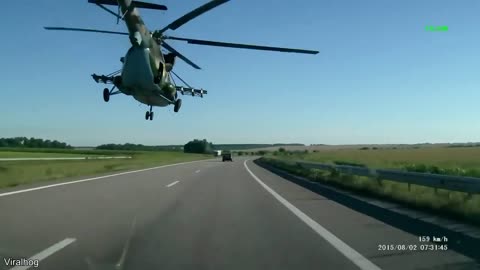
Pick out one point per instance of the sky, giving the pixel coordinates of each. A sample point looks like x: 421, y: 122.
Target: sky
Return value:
x: 380, y: 77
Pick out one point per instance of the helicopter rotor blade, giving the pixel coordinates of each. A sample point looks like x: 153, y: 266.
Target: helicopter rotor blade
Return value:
x: 193, y: 14
x: 179, y: 55
x: 85, y: 30
x: 180, y: 79
x: 137, y: 4
x: 240, y: 46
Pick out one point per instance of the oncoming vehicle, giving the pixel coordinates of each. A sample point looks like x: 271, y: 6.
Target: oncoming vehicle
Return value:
x: 227, y: 156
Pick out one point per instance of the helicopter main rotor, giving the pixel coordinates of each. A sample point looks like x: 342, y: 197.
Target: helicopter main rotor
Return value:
x: 159, y: 37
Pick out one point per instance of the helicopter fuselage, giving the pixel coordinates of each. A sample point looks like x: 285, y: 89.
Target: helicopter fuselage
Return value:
x: 138, y: 79
x: 143, y: 62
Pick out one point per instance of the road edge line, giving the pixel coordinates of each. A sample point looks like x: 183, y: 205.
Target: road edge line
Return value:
x: 351, y: 254
x: 93, y: 178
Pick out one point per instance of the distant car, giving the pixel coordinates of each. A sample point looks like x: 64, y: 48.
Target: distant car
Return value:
x: 227, y: 156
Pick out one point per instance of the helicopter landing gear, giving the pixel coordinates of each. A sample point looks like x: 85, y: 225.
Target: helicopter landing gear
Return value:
x: 106, y: 94
x: 149, y: 114
x: 178, y: 104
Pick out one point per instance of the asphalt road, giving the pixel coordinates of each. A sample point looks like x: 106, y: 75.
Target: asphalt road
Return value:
x: 201, y: 215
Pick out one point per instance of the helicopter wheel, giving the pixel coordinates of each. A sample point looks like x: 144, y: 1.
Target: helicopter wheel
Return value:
x: 178, y: 104
x: 106, y: 95
x: 151, y: 116
x: 147, y: 115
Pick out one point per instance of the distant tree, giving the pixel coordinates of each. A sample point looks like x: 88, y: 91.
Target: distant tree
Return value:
x: 281, y: 150
x: 198, y: 146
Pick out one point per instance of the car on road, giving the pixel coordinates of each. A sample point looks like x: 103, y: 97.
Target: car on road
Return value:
x: 227, y: 156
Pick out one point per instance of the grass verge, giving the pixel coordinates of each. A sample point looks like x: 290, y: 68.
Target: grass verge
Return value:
x: 17, y: 154
x: 14, y: 173
x: 45, y: 151
x: 452, y: 204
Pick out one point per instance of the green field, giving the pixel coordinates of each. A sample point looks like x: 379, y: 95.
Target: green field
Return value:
x: 13, y: 173
x: 461, y: 161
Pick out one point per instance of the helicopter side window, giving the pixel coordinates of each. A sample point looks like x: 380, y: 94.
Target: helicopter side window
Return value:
x: 160, y: 70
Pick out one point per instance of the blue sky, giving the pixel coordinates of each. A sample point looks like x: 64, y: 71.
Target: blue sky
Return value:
x: 380, y: 76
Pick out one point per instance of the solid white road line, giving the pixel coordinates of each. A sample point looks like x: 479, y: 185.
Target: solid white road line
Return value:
x: 357, y: 258
x: 169, y: 185
x: 92, y: 179
x: 58, y: 158
x: 47, y: 252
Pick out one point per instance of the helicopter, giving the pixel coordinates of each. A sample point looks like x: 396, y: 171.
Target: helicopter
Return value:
x: 146, y: 74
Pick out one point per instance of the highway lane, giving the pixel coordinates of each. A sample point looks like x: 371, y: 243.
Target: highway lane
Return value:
x: 203, y: 215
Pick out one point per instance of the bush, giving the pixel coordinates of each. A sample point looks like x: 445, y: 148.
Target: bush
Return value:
x: 198, y: 146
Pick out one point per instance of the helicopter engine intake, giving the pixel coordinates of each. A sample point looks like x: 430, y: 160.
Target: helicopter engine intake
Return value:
x: 136, y: 39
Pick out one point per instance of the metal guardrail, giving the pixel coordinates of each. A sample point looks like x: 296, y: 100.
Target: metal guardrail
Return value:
x: 449, y: 182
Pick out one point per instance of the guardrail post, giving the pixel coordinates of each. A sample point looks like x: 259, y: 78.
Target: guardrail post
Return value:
x: 379, y: 180
x: 334, y: 172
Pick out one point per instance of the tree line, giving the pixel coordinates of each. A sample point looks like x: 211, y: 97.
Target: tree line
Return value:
x: 24, y: 142
x: 194, y: 146
x: 139, y: 147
